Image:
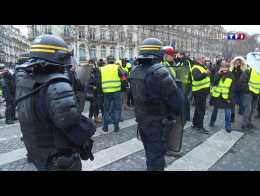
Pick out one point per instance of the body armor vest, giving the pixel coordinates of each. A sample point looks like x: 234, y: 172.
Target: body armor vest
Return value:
x: 41, y: 138
x: 143, y: 103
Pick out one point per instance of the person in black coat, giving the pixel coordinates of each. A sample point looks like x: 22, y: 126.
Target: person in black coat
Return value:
x: 238, y: 66
x: 93, y: 92
x: 218, y: 98
x: 8, y: 85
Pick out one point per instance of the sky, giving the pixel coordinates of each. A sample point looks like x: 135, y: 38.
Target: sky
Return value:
x: 250, y: 29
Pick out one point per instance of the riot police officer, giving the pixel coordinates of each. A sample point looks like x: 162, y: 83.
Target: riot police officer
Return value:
x: 55, y: 134
x: 156, y: 98
x: 8, y: 86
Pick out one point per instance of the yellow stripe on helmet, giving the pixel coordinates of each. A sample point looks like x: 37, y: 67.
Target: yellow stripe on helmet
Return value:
x: 49, y: 47
x: 149, y: 49
x: 42, y: 50
x: 151, y: 46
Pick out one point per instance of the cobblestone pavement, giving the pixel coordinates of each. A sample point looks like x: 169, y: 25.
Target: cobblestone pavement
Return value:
x: 244, y: 155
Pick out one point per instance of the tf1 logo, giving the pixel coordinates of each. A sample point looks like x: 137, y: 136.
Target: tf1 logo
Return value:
x: 236, y: 36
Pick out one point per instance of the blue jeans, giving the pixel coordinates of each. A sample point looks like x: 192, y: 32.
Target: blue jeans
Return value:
x: 112, y: 108
x: 227, y: 117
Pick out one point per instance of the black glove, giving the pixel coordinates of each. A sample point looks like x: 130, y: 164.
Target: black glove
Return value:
x: 85, y: 151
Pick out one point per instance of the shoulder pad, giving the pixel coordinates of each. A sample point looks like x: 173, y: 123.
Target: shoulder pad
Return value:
x: 154, y: 68
x: 45, y: 78
x: 63, y: 105
x: 160, y: 71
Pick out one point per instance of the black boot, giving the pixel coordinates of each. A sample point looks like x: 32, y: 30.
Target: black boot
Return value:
x: 9, y: 122
x: 233, y: 117
x: 116, y: 128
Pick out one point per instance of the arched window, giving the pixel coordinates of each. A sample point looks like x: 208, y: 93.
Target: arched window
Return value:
x: 121, y: 52
x: 103, y: 52
x: 82, y: 52
x: 93, y: 52
x: 112, y: 51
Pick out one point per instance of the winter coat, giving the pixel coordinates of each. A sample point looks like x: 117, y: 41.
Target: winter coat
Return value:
x: 239, y: 76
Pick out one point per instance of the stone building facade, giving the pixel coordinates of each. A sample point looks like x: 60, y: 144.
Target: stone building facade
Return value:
x: 12, y: 44
x: 99, y: 41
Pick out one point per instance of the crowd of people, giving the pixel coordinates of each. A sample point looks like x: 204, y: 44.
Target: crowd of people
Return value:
x: 227, y: 87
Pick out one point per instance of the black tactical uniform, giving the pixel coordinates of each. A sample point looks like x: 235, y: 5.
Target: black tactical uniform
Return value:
x: 156, y: 98
x: 8, y: 86
x: 54, y: 132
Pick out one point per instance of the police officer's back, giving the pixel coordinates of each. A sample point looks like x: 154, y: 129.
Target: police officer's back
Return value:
x: 156, y: 97
x: 55, y: 134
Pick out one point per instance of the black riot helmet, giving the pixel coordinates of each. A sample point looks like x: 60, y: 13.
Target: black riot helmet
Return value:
x: 151, y: 48
x: 23, y: 58
x: 52, y: 49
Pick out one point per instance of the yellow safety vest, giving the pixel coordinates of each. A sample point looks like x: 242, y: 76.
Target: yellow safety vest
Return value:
x: 129, y: 66
x: 198, y: 85
x: 222, y: 89
x: 110, y: 79
x: 170, y: 68
x: 125, y: 69
x: 1, y: 92
x: 254, y: 82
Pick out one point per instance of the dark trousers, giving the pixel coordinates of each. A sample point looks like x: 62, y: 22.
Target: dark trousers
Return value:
x: 238, y: 100
x: 258, y: 106
x: 10, y: 109
x: 154, y: 146
x: 93, y: 109
x: 200, y: 109
x: 130, y: 98
x: 250, y: 103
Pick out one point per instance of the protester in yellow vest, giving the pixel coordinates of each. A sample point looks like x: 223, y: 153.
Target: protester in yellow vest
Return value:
x: 112, y: 78
x: 182, y: 67
x: 251, y: 80
x: 126, y: 67
x: 200, y: 91
x: 168, y: 60
x: 221, y: 95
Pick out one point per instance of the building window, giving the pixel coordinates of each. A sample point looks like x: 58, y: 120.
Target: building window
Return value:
x: 34, y: 30
x: 82, y: 52
x: 81, y: 35
x: 112, y: 51
x: 103, y: 52
x: 121, y: 52
x: 66, y: 30
x: 93, y: 52
x: 131, y: 56
x: 92, y: 32
x: 102, y: 35
x: 130, y: 37
x: 81, y: 32
x: 121, y: 36
x: 47, y: 29
x: 112, y: 36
